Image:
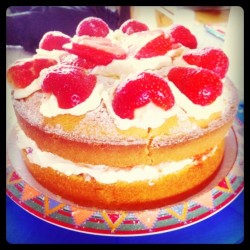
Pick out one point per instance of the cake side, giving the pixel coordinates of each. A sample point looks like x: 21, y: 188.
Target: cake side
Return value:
x: 147, y: 194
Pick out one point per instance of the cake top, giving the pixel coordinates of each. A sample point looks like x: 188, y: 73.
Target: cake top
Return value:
x: 135, y: 72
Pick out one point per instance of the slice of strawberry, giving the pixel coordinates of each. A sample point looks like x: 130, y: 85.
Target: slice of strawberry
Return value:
x: 158, y: 46
x: 209, y: 58
x: 24, y: 71
x: 133, y: 26
x: 92, y: 26
x: 200, y: 85
x: 54, y: 40
x: 100, y: 51
x: 69, y: 84
x: 139, y: 91
x: 74, y: 60
x: 181, y: 34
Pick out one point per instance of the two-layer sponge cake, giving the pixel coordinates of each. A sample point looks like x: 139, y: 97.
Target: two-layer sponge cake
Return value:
x: 125, y: 119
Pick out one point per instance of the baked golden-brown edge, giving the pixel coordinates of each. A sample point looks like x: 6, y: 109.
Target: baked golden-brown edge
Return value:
x: 130, y: 196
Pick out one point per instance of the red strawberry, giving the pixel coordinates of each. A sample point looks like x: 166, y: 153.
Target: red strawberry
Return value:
x: 74, y: 60
x: 99, y: 50
x: 92, y: 26
x: 158, y: 46
x: 138, y: 92
x: 209, y: 58
x: 183, y: 35
x: 54, y: 40
x: 132, y: 26
x: 201, y: 86
x: 24, y: 71
x: 70, y: 85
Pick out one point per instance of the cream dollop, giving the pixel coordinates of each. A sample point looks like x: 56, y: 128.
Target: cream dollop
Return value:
x: 148, y: 116
x: 198, y: 111
x: 50, y: 108
x: 131, y: 65
x: 30, y: 89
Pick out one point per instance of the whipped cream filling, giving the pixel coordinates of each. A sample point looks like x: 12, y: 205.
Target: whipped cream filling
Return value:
x: 102, y: 173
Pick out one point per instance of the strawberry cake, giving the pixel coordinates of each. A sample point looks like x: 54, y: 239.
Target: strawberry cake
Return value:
x: 125, y: 119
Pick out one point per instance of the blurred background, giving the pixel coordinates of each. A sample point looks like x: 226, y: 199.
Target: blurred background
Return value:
x: 218, y: 26
x: 27, y: 24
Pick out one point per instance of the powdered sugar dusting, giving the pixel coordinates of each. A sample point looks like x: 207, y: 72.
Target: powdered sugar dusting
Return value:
x: 97, y: 126
x: 28, y: 108
x: 103, y: 129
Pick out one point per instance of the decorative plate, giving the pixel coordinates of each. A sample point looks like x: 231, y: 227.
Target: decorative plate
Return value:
x: 229, y: 183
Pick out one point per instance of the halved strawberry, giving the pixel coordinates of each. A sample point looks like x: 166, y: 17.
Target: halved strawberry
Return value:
x: 54, y: 40
x: 70, y: 85
x: 100, y: 51
x: 92, y: 26
x: 209, y: 58
x: 74, y: 60
x: 139, y: 91
x: 181, y: 34
x: 24, y: 71
x: 200, y: 85
x: 158, y: 46
x: 132, y: 26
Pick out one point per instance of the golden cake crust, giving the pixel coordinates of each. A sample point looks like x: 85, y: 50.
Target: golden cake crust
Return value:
x: 165, y: 190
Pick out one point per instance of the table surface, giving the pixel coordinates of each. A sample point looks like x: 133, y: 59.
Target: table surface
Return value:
x: 225, y: 227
